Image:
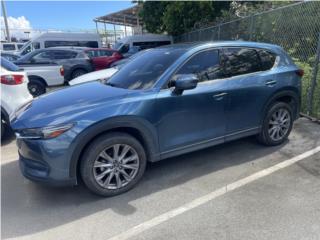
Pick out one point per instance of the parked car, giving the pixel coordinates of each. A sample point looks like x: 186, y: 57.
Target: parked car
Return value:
x: 58, y: 39
x: 166, y: 102
x: 14, y: 92
x: 105, y: 74
x: 10, y: 56
x: 10, y: 47
x: 101, y: 75
x: 74, y: 60
x: 102, y: 58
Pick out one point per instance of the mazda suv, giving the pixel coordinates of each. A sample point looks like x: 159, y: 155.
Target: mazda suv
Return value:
x: 166, y: 102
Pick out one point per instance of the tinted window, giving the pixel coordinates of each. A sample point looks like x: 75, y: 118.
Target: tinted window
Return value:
x: 10, y: 57
x: 20, y: 46
x: 146, y: 45
x: 143, y: 71
x: 36, y: 45
x: 93, y: 44
x: 42, y: 56
x: 205, y: 64
x: 237, y: 61
x: 9, y: 65
x: 8, y: 47
x: 267, y: 59
x: 103, y: 53
x: 60, y: 54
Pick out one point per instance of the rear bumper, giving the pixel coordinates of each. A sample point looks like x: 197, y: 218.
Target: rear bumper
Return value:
x: 38, y: 171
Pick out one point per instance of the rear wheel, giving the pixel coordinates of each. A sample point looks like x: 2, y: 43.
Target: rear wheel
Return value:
x: 36, y: 87
x: 78, y: 72
x: 113, y: 164
x: 277, y: 124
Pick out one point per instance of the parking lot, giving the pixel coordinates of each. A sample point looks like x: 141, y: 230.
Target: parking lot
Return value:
x: 180, y: 198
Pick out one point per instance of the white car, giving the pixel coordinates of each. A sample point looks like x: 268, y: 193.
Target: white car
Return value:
x: 14, y: 92
x: 94, y: 76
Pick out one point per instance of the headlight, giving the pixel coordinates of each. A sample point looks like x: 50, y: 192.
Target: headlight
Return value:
x: 43, y: 133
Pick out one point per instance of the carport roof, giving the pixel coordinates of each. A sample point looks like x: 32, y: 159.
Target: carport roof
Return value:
x: 128, y: 17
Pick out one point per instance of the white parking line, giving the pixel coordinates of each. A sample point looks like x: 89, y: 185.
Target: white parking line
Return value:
x: 211, y: 196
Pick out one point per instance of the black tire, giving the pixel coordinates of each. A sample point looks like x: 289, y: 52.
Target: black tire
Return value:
x: 3, y: 128
x: 265, y: 137
x: 78, y: 72
x: 36, y: 87
x: 93, y: 151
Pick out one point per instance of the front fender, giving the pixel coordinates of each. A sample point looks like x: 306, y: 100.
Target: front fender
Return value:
x: 145, y: 128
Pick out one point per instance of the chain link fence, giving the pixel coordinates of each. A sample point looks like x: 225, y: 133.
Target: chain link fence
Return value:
x: 295, y: 27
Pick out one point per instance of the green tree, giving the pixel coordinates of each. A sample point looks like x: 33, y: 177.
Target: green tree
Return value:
x: 177, y: 17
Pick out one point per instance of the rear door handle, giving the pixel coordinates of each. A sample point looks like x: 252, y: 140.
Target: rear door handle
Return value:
x: 270, y: 83
x: 219, y: 96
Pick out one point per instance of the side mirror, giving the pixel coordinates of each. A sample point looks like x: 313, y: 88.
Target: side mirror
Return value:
x: 185, y: 82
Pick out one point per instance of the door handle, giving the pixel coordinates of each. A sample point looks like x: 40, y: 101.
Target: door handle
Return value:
x: 219, y: 96
x: 270, y: 83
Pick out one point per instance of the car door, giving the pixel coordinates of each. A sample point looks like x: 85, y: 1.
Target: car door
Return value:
x: 249, y: 87
x: 196, y: 117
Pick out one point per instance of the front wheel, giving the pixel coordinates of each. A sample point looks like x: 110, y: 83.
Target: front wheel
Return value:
x: 277, y: 124
x: 113, y: 164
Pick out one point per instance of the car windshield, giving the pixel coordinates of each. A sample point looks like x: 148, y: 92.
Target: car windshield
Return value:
x: 9, y: 65
x: 143, y: 71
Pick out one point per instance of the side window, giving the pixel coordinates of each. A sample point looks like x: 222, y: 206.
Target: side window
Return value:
x: 36, y: 45
x: 9, y: 47
x: 59, y: 55
x: 42, y: 57
x: 104, y: 53
x: 267, y: 59
x: 205, y: 64
x: 124, y: 48
x: 26, y: 50
x: 237, y: 61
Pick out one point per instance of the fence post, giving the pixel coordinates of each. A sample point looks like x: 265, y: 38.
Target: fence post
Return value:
x: 313, y: 83
x: 251, y: 27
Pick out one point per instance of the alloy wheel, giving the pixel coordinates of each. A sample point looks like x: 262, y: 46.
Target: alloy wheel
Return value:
x: 116, y: 166
x: 279, y: 124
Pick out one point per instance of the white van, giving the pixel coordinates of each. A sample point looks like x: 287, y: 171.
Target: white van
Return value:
x: 57, y: 39
x: 10, y: 46
x: 139, y: 42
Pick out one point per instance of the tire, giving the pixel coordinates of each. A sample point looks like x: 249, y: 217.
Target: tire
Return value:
x: 77, y: 72
x: 3, y: 128
x: 36, y: 87
x: 102, y: 179
x: 274, y: 130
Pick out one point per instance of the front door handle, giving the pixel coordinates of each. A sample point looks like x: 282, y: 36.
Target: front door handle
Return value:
x: 219, y: 96
x: 270, y: 83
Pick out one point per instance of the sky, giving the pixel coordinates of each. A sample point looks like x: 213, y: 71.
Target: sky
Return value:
x: 62, y: 15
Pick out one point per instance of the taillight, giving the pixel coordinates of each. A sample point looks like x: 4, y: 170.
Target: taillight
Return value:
x: 12, y: 79
x: 300, y: 72
x: 61, y: 71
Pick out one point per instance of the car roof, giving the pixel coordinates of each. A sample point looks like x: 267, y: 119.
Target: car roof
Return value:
x: 193, y: 45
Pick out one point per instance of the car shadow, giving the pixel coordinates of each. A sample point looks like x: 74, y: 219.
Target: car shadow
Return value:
x: 37, y: 208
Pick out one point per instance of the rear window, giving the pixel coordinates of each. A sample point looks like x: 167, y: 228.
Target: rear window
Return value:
x: 8, y: 47
x: 238, y: 61
x: 9, y: 65
x: 267, y: 59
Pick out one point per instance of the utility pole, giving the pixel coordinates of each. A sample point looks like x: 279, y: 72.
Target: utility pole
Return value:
x: 4, y: 12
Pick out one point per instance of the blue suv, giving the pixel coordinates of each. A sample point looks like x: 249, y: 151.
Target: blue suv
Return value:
x: 166, y: 102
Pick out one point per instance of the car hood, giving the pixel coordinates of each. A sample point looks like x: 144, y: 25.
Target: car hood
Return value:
x: 63, y: 106
x: 93, y: 76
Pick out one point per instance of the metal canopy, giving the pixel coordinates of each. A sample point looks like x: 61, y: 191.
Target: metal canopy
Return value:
x: 127, y: 17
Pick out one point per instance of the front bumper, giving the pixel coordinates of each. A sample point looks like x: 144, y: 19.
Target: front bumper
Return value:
x: 38, y: 172
x: 47, y: 161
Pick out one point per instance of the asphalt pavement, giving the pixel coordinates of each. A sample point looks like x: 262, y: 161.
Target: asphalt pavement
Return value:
x: 180, y: 198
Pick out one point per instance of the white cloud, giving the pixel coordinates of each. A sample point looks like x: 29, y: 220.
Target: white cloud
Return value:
x: 17, y: 26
